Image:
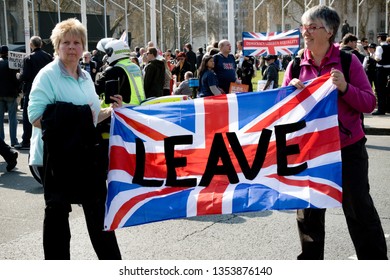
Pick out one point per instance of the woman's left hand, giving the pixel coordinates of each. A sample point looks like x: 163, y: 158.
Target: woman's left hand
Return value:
x: 338, y: 80
x: 117, y: 101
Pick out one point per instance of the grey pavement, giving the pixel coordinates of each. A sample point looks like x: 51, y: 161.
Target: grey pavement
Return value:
x: 377, y: 125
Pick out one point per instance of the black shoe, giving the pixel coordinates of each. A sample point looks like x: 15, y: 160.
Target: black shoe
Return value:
x: 22, y: 146
x: 11, y: 162
x: 377, y: 113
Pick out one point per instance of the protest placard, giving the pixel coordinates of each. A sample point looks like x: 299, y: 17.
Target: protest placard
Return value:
x: 15, y: 60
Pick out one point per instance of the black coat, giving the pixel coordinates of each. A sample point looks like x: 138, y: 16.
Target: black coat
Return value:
x: 114, y: 73
x: 191, y: 58
x: 93, y: 69
x: 32, y: 64
x: 71, y: 168
x: 9, y: 84
x: 154, y: 78
x: 180, y: 72
x: 355, y: 52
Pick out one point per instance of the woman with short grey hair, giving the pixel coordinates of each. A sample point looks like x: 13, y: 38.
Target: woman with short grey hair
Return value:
x: 320, y: 57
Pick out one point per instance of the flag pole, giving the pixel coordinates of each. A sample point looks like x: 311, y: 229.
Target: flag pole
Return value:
x: 26, y: 26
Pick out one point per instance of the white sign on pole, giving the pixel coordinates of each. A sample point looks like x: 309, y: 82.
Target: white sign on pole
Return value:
x: 15, y: 60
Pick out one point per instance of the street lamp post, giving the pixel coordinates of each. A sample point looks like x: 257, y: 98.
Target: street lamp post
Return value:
x: 387, y: 16
x: 174, y: 29
x: 178, y: 24
x: 5, y: 22
x: 33, y: 16
x: 254, y: 13
x: 190, y: 15
x: 172, y: 9
x: 205, y: 19
x: 205, y: 11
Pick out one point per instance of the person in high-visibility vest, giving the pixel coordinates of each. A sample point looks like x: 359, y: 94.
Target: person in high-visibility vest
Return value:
x: 130, y: 83
x: 122, y: 69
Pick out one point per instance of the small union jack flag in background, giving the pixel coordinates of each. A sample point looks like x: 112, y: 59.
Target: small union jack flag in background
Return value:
x: 276, y: 43
x: 233, y: 153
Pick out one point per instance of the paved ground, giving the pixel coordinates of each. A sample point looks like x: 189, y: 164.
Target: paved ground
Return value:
x: 377, y: 125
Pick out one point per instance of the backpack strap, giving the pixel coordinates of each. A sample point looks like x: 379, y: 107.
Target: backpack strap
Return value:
x: 345, y: 58
x: 296, y: 67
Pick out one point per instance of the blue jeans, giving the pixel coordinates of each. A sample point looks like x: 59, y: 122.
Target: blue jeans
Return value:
x: 9, y: 104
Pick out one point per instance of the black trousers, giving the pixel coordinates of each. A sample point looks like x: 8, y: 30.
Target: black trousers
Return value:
x: 362, y: 218
x: 5, y: 150
x: 56, y: 231
x: 382, y: 92
x: 27, y: 127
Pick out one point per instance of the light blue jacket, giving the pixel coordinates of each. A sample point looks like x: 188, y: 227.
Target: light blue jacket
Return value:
x: 52, y: 84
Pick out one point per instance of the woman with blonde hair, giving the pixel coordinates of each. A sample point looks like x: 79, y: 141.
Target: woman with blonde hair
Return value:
x: 64, y: 104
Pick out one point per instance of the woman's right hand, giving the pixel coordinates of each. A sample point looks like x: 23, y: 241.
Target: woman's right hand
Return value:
x: 296, y: 83
x: 117, y: 101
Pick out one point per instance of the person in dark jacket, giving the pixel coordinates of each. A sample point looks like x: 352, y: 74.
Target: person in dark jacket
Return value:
x: 349, y: 44
x: 199, y: 56
x: 370, y: 63
x: 191, y: 57
x: 9, y: 91
x: 270, y: 74
x: 89, y: 65
x: 181, y: 67
x: 32, y: 64
x: 154, y: 77
x: 382, y: 81
x: 245, y: 66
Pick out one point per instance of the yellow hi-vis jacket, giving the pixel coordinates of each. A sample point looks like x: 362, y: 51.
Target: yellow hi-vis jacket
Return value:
x: 134, y: 75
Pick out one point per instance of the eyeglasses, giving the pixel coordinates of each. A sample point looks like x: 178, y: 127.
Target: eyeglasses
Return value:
x: 309, y: 29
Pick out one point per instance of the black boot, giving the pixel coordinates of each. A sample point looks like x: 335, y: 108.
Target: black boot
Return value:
x: 11, y: 160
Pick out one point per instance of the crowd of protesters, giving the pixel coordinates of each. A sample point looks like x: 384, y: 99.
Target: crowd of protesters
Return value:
x: 175, y: 68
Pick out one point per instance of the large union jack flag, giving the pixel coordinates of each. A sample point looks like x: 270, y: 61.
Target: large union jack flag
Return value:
x: 277, y: 43
x: 278, y: 149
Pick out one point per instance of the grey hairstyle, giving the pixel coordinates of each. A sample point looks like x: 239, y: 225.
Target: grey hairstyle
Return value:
x: 328, y: 17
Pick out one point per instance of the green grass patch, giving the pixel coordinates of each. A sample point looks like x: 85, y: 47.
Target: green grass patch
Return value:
x: 260, y: 77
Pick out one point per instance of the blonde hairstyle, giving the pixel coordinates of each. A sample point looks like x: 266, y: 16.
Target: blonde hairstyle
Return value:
x: 70, y: 26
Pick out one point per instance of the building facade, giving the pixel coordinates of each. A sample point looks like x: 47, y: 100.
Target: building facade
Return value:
x: 249, y: 15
